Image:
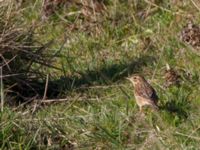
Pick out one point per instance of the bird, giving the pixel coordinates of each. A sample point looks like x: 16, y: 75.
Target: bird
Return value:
x: 144, y: 93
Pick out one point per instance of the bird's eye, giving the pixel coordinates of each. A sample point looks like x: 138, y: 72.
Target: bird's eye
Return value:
x: 134, y: 78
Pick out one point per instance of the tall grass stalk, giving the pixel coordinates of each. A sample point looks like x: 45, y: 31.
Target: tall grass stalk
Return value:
x: 2, y: 93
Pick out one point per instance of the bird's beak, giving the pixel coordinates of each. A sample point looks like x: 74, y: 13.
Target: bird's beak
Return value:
x: 127, y: 78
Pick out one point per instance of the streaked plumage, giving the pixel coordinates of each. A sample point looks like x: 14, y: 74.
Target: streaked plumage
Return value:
x: 144, y: 92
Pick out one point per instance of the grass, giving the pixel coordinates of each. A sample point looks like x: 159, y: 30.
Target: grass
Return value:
x: 95, y: 53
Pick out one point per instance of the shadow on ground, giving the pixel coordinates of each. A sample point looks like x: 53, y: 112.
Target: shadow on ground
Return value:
x: 103, y: 76
x: 174, y: 108
x: 178, y: 103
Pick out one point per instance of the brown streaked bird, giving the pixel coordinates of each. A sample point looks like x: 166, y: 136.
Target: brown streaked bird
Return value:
x: 144, y: 92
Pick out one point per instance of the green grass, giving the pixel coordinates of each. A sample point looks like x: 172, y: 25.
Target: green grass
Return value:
x: 100, y: 110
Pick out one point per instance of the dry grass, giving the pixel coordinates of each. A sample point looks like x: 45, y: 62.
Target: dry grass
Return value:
x: 64, y: 64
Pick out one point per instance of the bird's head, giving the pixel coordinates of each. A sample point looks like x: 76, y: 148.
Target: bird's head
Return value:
x: 136, y: 79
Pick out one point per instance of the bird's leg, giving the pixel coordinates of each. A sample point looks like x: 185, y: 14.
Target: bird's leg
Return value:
x: 140, y: 107
x: 142, y: 115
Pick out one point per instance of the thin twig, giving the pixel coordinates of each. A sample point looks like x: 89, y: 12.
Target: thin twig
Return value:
x: 189, y: 136
x: 162, y: 8
x: 53, y: 100
x: 195, y: 5
x: 159, y: 60
x: 194, y: 131
x: 44, y: 96
x: 46, y: 87
x: 60, y: 49
x: 7, y: 62
x: 35, y: 106
x: 23, y: 104
x: 102, y: 86
x: 11, y: 75
x: 2, y: 94
x: 78, y: 99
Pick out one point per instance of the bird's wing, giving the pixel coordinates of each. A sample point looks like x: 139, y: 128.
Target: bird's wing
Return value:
x: 147, y: 92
